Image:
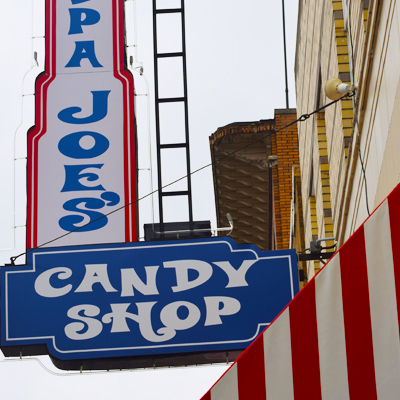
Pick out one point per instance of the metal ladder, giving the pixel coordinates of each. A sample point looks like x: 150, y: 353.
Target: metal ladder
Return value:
x: 162, y: 147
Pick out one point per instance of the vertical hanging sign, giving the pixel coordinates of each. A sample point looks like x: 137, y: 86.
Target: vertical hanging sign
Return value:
x: 81, y: 151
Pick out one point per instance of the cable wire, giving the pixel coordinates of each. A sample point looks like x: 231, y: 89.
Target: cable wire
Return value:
x: 302, y: 118
x: 69, y: 374
x: 364, y: 176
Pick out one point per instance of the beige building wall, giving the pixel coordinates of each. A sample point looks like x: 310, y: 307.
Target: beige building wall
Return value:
x: 379, y: 128
x: 357, y: 41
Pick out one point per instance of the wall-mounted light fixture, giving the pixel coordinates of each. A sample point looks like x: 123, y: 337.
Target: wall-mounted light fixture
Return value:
x: 335, y: 88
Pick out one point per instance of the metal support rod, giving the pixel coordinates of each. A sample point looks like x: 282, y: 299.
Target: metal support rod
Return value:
x: 185, y: 94
x: 284, y: 53
x: 156, y: 89
x: 315, y: 256
x: 270, y: 208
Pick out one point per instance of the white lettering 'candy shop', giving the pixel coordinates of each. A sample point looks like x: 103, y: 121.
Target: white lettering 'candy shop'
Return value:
x: 89, y: 320
x: 89, y: 327
x: 98, y: 274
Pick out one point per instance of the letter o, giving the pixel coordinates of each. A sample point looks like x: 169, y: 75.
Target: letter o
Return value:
x: 169, y: 315
x: 70, y: 145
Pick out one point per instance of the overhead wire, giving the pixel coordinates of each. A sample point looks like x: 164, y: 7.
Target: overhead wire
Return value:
x: 302, y: 118
x: 99, y: 372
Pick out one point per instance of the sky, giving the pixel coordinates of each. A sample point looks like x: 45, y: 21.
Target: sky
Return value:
x: 235, y: 69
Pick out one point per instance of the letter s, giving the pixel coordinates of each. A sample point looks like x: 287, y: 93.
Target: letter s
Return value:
x: 94, y: 326
x: 97, y: 219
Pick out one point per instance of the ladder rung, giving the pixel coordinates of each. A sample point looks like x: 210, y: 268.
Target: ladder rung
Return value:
x: 171, y: 100
x: 178, y: 193
x: 168, y: 11
x: 166, y: 55
x: 173, y: 145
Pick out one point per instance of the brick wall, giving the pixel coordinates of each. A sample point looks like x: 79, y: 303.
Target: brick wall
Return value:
x: 285, y: 146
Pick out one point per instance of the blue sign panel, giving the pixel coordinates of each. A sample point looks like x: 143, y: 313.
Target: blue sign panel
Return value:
x: 147, y: 298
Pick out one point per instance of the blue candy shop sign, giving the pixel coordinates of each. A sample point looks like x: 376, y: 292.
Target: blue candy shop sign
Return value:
x: 144, y: 298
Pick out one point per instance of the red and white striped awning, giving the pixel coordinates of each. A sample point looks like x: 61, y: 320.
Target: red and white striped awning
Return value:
x: 339, y: 337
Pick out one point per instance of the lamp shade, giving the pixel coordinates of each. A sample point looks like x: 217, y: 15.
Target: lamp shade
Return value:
x: 335, y: 88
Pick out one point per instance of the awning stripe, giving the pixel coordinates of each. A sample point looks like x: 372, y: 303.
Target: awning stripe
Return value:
x: 357, y: 319
x: 278, y: 359
x: 251, y: 372
x: 331, y: 339
x: 207, y: 396
x: 383, y: 302
x: 304, y: 338
x: 339, y: 338
x: 226, y: 388
x: 394, y: 216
